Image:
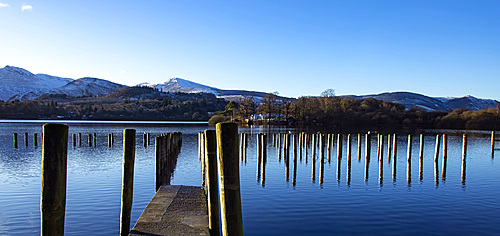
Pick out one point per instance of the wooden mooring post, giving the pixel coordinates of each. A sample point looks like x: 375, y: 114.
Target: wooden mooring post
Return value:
x: 212, y: 184
x: 367, y: 154
x: 54, y: 174
x: 464, y: 157
x: 26, y: 139
x: 128, y: 180
x: 493, y: 137
x: 230, y: 196
x: 436, y: 156
x: 408, y: 160
x: 79, y: 139
x: 15, y: 140
x: 35, y: 139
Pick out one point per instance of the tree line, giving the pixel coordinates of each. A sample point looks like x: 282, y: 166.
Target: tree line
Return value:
x: 329, y: 110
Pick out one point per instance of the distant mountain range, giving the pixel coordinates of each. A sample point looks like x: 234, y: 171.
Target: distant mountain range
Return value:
x: 18, y: 83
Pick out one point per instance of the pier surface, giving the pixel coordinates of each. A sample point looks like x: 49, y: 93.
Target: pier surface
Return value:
x: 174, y: 210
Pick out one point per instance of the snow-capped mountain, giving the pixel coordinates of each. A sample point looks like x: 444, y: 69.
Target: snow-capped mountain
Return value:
x: 18, y: 83
x: 86, y: 87
x: 181, y: 85
x: 410, y: 100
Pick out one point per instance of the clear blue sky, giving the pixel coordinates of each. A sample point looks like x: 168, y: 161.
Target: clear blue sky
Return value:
x: 437, y: 48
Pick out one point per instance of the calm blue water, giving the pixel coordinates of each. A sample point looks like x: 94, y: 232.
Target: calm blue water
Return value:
x: 392, y: 207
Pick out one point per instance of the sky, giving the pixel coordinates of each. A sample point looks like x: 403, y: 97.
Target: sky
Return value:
x: 297, y: 48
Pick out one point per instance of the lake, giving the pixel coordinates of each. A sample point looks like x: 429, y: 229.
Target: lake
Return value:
x: 278, y: 207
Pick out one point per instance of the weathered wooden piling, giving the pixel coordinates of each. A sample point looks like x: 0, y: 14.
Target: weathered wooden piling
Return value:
x: 321, y: 157
x: 295, y: 142
x: 380, y: 160
x: 313, y: 146
x: 259, y: 155
x: 339, y: 155
x: 212, y: 181
x: 15, y: 140
x: 230, y: 198
x: 35, y: 139
x: 493, y: 144
x: 445, y: 158
x: 445, y: 146
x: 26, y: 139
x: 306, y: 141
x: 436, y: 157
x: 378, y: 147
x: 286, y: 155
x: 389, y: 148
x: 90, y: 140
x: 128, y: 180
x: 394, y: 146
x: 367, y: 154
x: 464, y: 157
x: 95, y: 139
x: 74, y: 140
x: 144, y: 140
x: 348, y: 169
x: 54, y: 174
x: 359, y: 147
x: 264, y: 159
x: 79, y: 139
x: 421, y: 158
x: 408, y: 159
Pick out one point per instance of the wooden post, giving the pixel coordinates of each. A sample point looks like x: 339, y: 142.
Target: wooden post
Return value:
x: 144, y: 140
x: 74, y: 140
x: 367, y: 154
x: 54, y: 175
x: 378, y: 147
x: 339, y: 155
x: 306, y: 140
x: 408, y: 160
x: 445, y: 159
x: 212, y: 181
x: 259, y: 155
x: 359, y: 147
x: 314, y: 146
x: 389, y: 151
x: 90, y: 140
x: 380, y: 161
x: 294, y: 172
x: 15, y: 140
x: 445, y: 146
x: 230, y: 198
x: 348, y: 175
x: 128, y: 180
x: 264, y: 160
x: 464, y: 157
x: 26, y: 139
x: 95, y: 140
x: 321, y: 157
x: 421, y: 158
x: 394, y: 146
x: 493, y: 144
x: 35, y: 139
x: 79, y: 139
x: 436, y: 158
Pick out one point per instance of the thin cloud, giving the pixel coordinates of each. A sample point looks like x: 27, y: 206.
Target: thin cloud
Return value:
x: 3, y: 4
x: 26, y: 7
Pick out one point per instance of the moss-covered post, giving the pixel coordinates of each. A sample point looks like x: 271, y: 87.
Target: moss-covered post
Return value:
x: 128, y: 180
x: 15, y: 140
x: 212, y: 182
x: 54, y: 174
x: 229, y: 176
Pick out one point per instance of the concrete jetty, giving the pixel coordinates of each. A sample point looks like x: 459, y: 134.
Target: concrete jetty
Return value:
x: 174, y: 210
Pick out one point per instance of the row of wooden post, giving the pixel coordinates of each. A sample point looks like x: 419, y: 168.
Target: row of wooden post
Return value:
x: 26, y: 140
x: 219, y: 159
x: 54, y: 175
x: 318, y: 140
x: 92, y: 139
x: 167, y: 149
